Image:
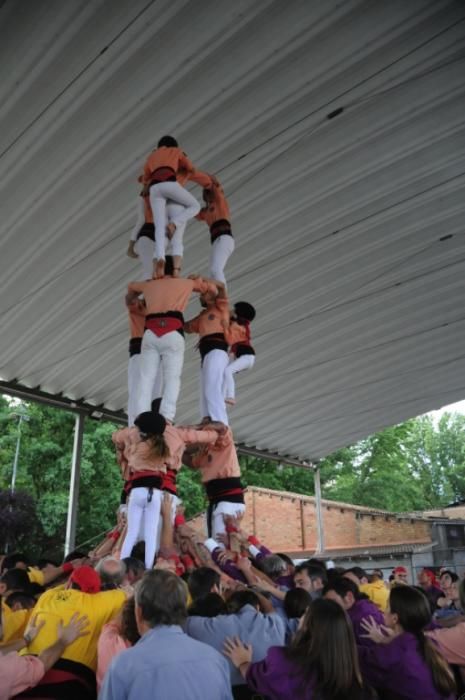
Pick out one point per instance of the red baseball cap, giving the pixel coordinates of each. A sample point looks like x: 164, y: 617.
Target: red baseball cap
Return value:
x: 400, y: 570
x: 87, y: 579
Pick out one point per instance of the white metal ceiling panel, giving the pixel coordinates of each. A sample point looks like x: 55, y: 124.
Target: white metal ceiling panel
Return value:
x: 337, y: 130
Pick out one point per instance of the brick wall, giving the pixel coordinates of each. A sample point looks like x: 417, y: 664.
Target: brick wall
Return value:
x: 287, y: 522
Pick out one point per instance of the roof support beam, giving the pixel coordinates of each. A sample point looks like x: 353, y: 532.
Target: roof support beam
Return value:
x: 73, y: 499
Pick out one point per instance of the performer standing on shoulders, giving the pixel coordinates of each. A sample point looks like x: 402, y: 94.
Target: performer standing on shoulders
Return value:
x: 147, y: 456
x: 221, y: 477
x: 237, y: 335
x: 213, y: 347
x: 161, y: 171
x: 216, y: 215
x: 163, y: 340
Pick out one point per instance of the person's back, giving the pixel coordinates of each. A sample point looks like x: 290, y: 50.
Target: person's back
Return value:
x: 262, y: 631
x: 406, y: 665
x: 58, y: 604
x: 399, y: 669
x: 165, y: 662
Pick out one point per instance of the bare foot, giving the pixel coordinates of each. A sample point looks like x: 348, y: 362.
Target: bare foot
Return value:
x: 230, y: 402
x: 159, y: 269
x: 176, y: 272
x: 170, y: 229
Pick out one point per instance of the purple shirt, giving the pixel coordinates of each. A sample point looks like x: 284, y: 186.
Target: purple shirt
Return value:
x: 229, y: 568
x: 399, y: 668
x: 278, y: 678
x: 362, y: 610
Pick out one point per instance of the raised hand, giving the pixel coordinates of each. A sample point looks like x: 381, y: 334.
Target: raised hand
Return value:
x: 238, y: 652
x: 77, y: 627
x: 377, y: 633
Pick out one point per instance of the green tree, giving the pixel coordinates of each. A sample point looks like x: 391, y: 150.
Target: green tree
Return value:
x: 415, y: 465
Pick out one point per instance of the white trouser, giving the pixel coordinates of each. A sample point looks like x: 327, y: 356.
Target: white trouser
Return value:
x: 133, y: 386
x: 224, y: 508
x: 237, y: 365
x: 159, y: 194
x: 169, y: 350
x: 175, y: 501
x: 211, y: 386
x: 175, y: 246
x: 144, y: 246
x: 220, y: 251
x: 144, y: 249
x: 145, y: 512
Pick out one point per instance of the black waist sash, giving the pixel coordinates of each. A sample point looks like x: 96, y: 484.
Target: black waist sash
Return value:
x: 240, y: 350
x: 229, y: 490
x: 222, y: 227
x: 147, y: 230
x: 214, y: 341
x: 148, y: 482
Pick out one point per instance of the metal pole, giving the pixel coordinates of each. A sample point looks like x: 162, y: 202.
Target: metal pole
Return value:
x: 319, y: 514
x: 74, y: 484
x: 15, y: 463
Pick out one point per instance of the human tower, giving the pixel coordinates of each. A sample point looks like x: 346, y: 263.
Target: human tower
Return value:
x: 152, y: 449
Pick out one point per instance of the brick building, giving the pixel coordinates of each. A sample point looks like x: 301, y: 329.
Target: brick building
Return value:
x: 287, y: 522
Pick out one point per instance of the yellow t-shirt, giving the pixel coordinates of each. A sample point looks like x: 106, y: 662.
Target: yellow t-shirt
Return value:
x: 14, y: 623
x: 36, y: 576
x: 377, y: 593
x: 59, y: 604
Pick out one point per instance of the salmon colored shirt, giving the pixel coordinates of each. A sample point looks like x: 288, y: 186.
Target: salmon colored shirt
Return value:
x: 218, y: 461
x: 451, y: 641
x: 169, y: 293
x: 178, y: 438
x: 197, y: 176
x: 166, y: 157
x: 140, y: 458
x: 217, y: 209
x: 122, y: 440
x: 210, y: 320
x: 18, y: 673
x: 110, y: 644
x: 235, y: 334
x: 136, y: 312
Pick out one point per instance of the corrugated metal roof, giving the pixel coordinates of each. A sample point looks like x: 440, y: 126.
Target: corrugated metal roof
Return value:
x: 349, y: 230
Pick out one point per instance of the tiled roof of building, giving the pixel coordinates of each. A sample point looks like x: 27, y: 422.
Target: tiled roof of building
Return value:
x: 364, y: 551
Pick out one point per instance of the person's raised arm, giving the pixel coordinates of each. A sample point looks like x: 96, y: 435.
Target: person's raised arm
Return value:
x: 134, y: 289
x: 202, y: 179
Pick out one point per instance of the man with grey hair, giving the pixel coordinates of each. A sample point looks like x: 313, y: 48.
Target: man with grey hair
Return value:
x: 112, y: 573
x: 165, y: 663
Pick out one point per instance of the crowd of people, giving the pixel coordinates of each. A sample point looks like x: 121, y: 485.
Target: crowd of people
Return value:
x: 225, y: 620
x: 158, y: 610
